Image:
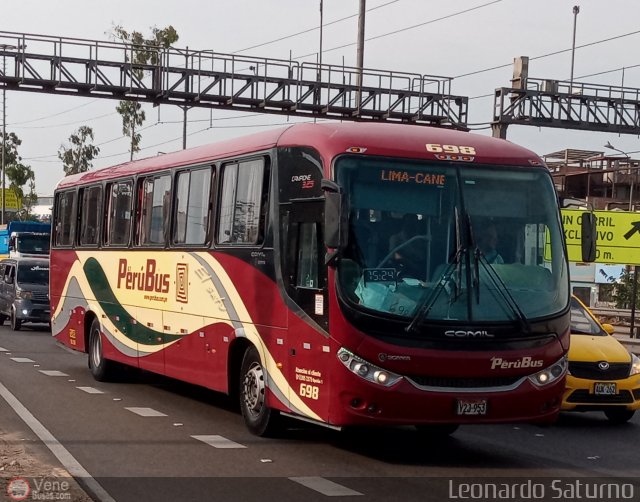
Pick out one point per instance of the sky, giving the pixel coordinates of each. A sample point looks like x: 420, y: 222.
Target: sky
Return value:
x: 427, y: 37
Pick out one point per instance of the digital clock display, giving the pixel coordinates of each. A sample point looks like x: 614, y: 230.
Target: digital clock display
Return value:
x: 380, y: 275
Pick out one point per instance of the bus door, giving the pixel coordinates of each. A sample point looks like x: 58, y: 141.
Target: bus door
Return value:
x: 306, y: 275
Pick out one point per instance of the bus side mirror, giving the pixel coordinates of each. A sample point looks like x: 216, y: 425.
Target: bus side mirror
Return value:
x: 335, y: 221
x: 588, y: 237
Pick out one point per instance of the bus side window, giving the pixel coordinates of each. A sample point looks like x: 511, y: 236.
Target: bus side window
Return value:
x: 243, y: 202
x: 191, y: 212
x: 155, y: 207
x: 63, y: 224
x: 91, y: 200
x: 118, y: 214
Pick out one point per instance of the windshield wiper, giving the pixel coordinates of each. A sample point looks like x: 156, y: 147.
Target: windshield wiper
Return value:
x: 504, y: 291
x: 427, y: 303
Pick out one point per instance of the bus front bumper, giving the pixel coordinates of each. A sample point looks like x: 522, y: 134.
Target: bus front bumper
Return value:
x: 361, y: 403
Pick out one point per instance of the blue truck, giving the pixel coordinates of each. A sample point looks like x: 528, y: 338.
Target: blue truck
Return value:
x: 25, y: 239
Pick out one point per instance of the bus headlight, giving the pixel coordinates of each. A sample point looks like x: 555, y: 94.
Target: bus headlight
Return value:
x: 25, y: 295
x: 550, y: 374
x: 366, y: 370
x: 635, y: 365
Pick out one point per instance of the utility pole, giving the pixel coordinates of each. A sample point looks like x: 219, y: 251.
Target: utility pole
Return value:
x: 320, y: 56
x: 634, y: 296
x: 185, y: 109
x: 360, y: 63
x: 4, y: 141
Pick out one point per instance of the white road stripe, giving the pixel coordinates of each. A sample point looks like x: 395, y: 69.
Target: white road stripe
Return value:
x: 61, y: 453
x: 22, y: 360
x: 324, y: 486
x: 146, y: 412
x: 218, y: 441
x: 90, y: 390
x: 2, y: 349
x: 53, y: 373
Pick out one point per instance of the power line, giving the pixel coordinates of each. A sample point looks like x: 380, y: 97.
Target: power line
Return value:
x: 55, y: 114
x: 555, y: 53
x: 431, y: 21
x: 311, y: 29
x: 68, y: 123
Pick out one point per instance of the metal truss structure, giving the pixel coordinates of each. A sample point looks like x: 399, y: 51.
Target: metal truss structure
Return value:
x: 189, y: 78
x: 552, y: 103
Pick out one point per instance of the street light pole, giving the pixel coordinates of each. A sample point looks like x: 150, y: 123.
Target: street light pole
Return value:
x: 576, y: 10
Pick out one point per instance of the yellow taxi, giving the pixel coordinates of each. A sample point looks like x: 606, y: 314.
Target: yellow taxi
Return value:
x: 603, y: 375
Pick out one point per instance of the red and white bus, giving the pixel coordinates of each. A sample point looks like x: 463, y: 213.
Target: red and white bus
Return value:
x: 337, y: 273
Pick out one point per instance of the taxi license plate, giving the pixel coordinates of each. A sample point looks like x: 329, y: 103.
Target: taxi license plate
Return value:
x: 468, y: 407
x: 605, y: 389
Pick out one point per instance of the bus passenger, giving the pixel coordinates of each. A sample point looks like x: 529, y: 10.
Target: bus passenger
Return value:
x: 487, y: 243
x: 409, y: 248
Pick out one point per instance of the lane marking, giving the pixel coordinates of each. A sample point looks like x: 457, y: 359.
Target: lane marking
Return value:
x: 2, y: 349
x: 324, y: 486
x: 146, y: 412
x: 62, y: 454
x: 90, y: 390
x: 218, y: 441
x: 52, y: 373
x: 22, y: 360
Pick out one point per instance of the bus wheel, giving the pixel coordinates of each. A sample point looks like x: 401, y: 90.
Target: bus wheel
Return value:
x: 16, y: 323
x: 259, y: 419
x: 619, y: 415
x: 101, y: 368
x: 435, y: 431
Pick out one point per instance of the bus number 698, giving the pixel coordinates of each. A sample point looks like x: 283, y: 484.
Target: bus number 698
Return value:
x: 310, y: 391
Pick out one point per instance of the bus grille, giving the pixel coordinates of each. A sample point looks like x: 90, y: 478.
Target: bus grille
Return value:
x: 40, y: 296
x: 591, y: 371
x: 463, y: 383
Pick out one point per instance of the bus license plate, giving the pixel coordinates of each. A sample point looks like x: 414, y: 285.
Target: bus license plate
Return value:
x: 475, y: 407
x: 605, y: 389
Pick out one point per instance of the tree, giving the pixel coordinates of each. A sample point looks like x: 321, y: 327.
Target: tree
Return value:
x: 143, y: 51
x: 132, y: 115
x: 624, y: 290
x: 77, y: 158
x: 16, y: 172
x: 30, y: 200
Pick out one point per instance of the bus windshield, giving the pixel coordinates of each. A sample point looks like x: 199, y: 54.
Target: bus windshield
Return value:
x: 431, y: 241
x: 33, y: 243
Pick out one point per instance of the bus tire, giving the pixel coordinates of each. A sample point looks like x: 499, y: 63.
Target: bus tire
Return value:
x: 258, y: 417
x: 101, y: 368
x: 16, y: 323
x: 619, y: 415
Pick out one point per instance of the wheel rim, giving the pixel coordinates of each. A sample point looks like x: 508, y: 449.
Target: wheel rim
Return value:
x: 253, y: 389
x: 96, y: 350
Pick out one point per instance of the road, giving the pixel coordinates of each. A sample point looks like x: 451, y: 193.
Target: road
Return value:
x: 150, y: 438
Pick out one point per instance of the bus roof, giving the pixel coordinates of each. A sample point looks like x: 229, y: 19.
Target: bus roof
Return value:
x: 330, y: 139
